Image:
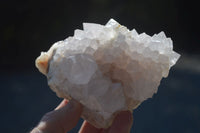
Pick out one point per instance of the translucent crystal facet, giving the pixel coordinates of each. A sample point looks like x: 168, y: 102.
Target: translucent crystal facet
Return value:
x: 107, y: 68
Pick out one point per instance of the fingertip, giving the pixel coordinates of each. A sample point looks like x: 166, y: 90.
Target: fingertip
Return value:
x: 122, y: 123
x: 126, y: 116
x: 62, y: 104
x: 75, y: 105
x: 88, y: 128
x: 71, y: 114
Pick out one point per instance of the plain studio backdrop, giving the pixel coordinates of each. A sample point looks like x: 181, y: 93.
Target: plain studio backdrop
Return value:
x: 30, y: 26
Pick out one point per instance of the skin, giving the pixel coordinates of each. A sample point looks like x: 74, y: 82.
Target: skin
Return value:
x: 66, y: 116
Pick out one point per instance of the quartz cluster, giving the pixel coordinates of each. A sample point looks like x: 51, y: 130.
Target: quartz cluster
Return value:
x: 107, y: 68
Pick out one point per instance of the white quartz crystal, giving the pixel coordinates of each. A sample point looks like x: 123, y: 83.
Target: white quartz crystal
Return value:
x: 107, y: 68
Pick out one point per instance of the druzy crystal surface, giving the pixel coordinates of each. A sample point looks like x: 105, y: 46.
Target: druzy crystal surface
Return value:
x: 107, y: 68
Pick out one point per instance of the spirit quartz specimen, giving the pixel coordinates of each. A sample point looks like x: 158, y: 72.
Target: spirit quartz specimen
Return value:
x: 107, y: 68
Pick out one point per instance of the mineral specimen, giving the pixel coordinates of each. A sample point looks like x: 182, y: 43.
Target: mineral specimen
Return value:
x: 107, y: 68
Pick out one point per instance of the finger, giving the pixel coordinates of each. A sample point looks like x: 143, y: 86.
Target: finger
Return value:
x: 88, y: 128
x: 122, y: 123
x: 62, y: 119
x: 62, y: 104
x: 70, y: 114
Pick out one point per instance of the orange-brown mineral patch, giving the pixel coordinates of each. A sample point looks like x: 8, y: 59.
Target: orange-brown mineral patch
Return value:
x: 42, y: 63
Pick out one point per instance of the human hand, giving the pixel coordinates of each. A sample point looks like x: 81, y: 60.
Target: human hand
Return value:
x: 66, y: 116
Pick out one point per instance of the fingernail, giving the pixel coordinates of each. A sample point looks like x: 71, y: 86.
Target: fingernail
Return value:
x: 73, y: 104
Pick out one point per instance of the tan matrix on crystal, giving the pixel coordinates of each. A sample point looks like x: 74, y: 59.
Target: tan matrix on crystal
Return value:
x: 107, y: 68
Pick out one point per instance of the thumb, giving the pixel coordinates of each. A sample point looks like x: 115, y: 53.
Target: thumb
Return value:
x: 62, y: 119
